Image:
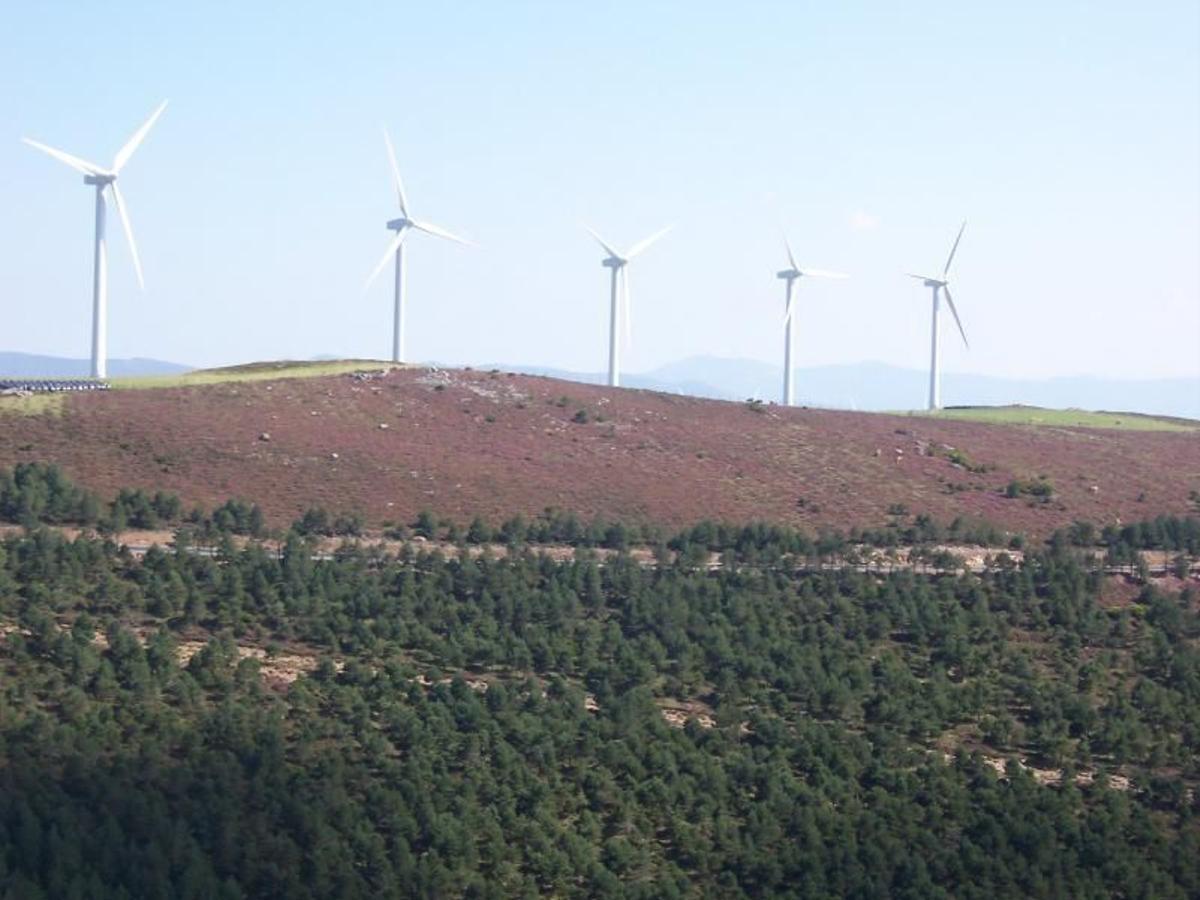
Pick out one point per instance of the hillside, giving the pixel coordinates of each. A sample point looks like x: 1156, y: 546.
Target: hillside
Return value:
x: 460, y: 443
x: 263, y: 725
x: 240, y: 717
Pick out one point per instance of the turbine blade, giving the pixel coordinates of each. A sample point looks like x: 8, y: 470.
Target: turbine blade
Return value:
x: 953, y: 249
x: 642, y: 245
x: 119, y: 202
x: 599, y: 240
x: 921, y: 277
x: 957, y: 320
x: 788, y: 247
x: 80, y: 165
x: 132, y: 144
x: 821, y: 273
x: 396, y: 174
x: 435, y: 230
x: 789, y: 311
x: 393, y: 246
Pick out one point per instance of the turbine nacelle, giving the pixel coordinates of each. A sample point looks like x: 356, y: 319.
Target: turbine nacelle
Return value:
x: 99, y: 179
x: 930, y: 281
x: 615, y: 260
x: 796, y: 272
x: 399, y: 224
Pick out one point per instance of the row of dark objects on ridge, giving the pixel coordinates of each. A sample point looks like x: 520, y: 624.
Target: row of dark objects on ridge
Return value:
x: 52, y: 385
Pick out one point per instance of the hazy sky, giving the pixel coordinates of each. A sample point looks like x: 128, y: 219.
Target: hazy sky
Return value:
x: 1066, y: 133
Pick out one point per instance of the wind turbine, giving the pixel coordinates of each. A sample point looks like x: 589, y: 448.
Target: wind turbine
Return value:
x: 940, y: 285
x: 102, y: 178
x: 618, y: 292
x: 790, y: 276
x: 402, y: 226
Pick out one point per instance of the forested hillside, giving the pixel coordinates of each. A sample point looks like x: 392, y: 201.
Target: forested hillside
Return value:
x: 261, y: 724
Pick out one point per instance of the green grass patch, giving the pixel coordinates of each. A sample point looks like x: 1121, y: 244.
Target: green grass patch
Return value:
x: 33, y: 405
x: 1065, y: 418
x: 261, y: 371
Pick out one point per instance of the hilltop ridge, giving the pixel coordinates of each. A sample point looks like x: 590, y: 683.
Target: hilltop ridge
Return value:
x: 388, y: 442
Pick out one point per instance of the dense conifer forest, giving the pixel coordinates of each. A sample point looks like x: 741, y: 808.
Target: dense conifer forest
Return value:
x: 264, y: 721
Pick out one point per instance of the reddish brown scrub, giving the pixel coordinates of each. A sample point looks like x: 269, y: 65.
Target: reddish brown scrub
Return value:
x: 461, y: 443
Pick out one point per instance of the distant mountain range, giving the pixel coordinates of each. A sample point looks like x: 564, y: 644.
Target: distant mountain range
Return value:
x: 864, y: 386
x: 28, y: 365
x: 877, y: 386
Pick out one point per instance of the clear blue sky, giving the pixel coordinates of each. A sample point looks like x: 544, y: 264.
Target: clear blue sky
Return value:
x: 1068, y: 134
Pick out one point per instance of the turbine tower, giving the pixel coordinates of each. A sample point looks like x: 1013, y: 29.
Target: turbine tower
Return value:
x: 102, y: 179
x: 790, y: 276
x: 402, y: 226
x: 940, y: 286
x: 619, y: 291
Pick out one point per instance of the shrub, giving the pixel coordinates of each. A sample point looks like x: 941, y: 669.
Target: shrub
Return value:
x: 1039, y: 488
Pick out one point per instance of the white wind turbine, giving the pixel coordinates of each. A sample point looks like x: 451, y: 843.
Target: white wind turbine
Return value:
x: 790, y: 276
x: 618, y: 292
x: 940, y: 285
x: 402, y: 226
x: 103, y: 178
